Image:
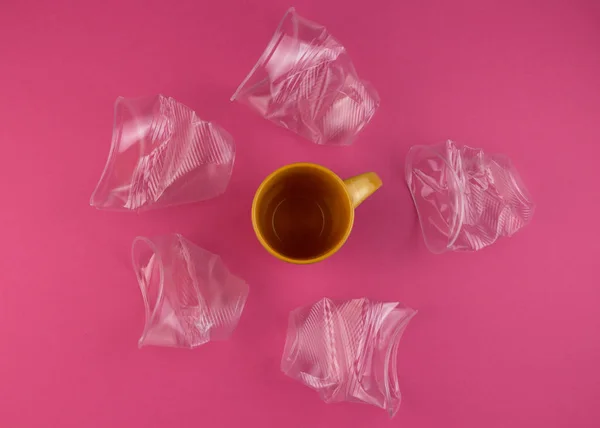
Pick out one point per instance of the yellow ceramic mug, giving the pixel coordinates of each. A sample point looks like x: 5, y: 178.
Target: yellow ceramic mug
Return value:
x: 303, y: 213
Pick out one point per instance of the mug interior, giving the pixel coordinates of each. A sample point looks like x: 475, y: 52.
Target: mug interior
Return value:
x: 302, y: 212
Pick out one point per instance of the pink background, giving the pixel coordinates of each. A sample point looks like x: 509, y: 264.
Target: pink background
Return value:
x: 507, y: 337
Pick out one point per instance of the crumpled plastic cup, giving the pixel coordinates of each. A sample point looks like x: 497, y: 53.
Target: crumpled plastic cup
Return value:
x: 466, y: 199
x: 189, y: 295
x: 306, y: 82
x: 347, y: 350
x: 162, y: 154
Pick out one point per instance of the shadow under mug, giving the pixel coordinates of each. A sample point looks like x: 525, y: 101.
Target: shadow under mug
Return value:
x: 303, y: 212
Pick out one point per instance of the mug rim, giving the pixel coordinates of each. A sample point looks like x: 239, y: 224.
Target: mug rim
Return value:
x: 262, y: 239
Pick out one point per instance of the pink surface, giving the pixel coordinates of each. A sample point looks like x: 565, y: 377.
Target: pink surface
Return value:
x: 507, y: 337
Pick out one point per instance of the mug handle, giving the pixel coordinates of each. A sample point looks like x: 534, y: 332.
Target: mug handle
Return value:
x: 362, y: 186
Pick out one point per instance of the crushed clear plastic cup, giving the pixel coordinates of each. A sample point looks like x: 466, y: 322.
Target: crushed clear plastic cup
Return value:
x: 190, y: 297
x: 465, y: 198
x: 306, y: 82
x: 347, y: 350
x: 162, y: 154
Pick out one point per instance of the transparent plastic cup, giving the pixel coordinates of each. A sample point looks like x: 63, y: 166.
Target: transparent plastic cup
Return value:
x: 347, y: 350
x: 162, y: 154
x: 306, y: 82
x: 465, y: 199
x: 190, y: 297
